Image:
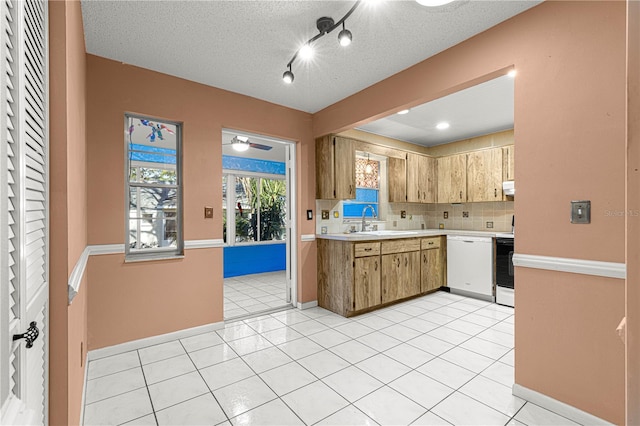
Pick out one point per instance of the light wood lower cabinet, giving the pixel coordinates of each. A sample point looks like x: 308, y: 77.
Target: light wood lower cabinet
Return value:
x: 355, y: 277
x: 366, y: 282
x: 432, y: 266
x: 400, y: 276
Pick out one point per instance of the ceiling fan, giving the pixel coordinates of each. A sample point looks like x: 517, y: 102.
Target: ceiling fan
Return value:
x: 242, y: 143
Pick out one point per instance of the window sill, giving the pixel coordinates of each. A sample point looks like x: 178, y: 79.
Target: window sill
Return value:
x: 153, y: 258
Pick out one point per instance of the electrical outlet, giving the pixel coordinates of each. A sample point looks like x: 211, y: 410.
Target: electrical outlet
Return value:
x: 422, y: 226
x: 445, y: 215
x: 395, y: 223
x: 325, y: 214
x: 323, y: 230
x: 489, y: 224
x: 403, y: 214
x: 441, y: 226
x: 465, y: 214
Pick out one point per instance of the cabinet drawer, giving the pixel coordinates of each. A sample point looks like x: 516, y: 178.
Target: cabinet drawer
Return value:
x: 367, y: 249
x: 430, y: 243
x: 400, y: 246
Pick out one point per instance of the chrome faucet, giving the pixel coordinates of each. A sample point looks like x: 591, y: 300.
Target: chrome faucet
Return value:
x: 364, y: 211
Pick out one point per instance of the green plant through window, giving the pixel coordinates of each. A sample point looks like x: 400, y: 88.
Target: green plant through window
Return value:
x: 260, y: 208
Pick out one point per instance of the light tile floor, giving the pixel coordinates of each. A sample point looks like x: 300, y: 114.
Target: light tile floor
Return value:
x: 249, y: 294
x: 436, y: 360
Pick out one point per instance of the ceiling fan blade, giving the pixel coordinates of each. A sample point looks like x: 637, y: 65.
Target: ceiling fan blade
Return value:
x: 259, y: 146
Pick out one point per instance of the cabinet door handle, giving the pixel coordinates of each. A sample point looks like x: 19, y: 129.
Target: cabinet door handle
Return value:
x: 424, y: 258
x: 368, y: 249
x: 350, y: 189
x: 495, y: 192
x: 430, y: 243
x: 418, y: 195
x: 461, y: 195
x: 406, y: 261
x: 398, y: 259
x: 376, y: 266
x: 424, y: 195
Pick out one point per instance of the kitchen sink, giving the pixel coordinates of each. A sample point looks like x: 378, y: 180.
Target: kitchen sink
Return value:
x: 388, y: 232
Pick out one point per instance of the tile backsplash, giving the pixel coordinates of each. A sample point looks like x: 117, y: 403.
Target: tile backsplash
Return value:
x: 424, y: 216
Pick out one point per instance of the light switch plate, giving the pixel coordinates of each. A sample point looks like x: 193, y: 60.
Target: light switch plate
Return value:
x: 325, y: 214
x: 403, y: 214
x: 581, y: 211
x: 208, y: 212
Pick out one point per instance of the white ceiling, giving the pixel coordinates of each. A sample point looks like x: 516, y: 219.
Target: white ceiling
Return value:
x: 479, y: 110
x: 244, y: 46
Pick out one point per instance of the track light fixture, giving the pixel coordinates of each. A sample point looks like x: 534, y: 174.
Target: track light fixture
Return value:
x: 288, y: 76
x: 325, y: 25
x: 345, y: 36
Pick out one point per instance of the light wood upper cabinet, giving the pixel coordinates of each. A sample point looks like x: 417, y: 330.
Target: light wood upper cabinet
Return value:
x: 421, y: 179
x: 335, y: 168
x: 397, y: 179
x: 508, y: 161
x: 452, y: 178
x: 345, y: 165
x: 484, y: 175
x: 324, y: 168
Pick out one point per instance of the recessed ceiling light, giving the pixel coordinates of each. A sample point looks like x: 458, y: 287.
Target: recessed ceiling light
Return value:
x: 512, y: 73
x: 403, y: 112
x: 443, y: 125
x: 433, y: 3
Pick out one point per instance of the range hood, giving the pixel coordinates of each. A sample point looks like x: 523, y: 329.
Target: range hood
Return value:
x: 508, y: 187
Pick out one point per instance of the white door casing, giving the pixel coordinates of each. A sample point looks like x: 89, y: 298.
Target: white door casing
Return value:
x: 24, y: 215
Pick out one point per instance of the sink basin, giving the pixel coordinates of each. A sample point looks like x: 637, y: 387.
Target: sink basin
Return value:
x: 388, y: 232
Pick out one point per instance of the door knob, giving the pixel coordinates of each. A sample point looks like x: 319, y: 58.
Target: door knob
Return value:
x: 30, y: 336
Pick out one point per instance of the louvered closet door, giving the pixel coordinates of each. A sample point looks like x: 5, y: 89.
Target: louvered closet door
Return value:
x: 24, y: 212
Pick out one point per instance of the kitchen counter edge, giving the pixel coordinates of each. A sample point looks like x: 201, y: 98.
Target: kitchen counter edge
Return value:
x: 357, y: 236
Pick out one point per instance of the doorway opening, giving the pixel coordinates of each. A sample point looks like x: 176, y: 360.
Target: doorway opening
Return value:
x: 258, y: 191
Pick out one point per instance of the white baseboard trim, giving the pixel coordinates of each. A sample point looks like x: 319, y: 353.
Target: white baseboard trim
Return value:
x: 75, y: 278
x: 574, y: 266
x: 558, y: 407
x: 308, y: 237
x: 153, y: 340
x: 307, y: 305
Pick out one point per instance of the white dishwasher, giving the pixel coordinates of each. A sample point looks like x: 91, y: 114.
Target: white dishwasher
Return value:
x: 470, y: 266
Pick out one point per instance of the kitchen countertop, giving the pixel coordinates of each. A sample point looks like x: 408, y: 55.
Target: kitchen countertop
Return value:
x: 410, y: 233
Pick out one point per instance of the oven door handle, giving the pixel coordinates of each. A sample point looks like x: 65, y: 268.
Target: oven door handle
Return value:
x: 511, y: 263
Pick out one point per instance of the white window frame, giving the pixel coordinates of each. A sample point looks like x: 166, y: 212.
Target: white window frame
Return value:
x: 232, y: 175
x: 159, y: 252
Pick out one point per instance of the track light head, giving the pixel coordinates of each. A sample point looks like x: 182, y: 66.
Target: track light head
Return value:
x: 345, y: 36
x: 306, y: 51
x: 287, y: 77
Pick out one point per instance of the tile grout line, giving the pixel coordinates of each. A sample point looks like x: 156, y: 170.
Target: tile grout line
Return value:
x: 153, y: 410
x: 205, y: 382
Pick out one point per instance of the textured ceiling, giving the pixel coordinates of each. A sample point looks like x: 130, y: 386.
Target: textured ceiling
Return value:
x: 244, y: 46
x: 479, y: 110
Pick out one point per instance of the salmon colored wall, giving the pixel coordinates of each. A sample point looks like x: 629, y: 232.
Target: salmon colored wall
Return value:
x: 570, y: 132
x: 555, y: 332
x: 115, y: 88
x: 142, y: 299
x: 633, y: 220
x: 68, y: 217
